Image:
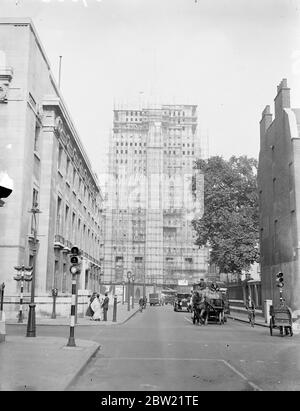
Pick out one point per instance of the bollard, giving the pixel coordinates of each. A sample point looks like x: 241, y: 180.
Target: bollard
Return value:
x: 115, y: 309
x: 54, y: 295
x: 2, y: 318
x: 2, y: 286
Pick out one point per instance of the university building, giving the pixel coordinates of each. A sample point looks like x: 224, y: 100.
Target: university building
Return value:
x: 279, y: 200
x: 150, y: 203
x: 41, y: 152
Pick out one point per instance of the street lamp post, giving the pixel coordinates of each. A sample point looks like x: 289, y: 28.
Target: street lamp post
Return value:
x: 128, y: 290
x: 133, y: 278
x: 144, y: 285
x: 31, y: 325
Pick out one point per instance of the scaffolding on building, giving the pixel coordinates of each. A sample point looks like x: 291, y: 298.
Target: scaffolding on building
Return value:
x: 150, y: 202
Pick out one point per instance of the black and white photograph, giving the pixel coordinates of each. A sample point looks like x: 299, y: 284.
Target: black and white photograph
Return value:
x: 149, y: 198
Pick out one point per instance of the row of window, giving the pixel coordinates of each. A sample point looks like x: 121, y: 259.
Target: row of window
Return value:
x: 72, y: 228
x: 141, y: 113
x: 73, y: 178
x: 131, y: 144
x: 165, y: 152
x: 126, y: 152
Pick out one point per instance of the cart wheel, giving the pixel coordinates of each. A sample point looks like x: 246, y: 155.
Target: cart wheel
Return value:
x: 281, y: 330
x: 291, y: 331
x: 271, y: 328
x: 220, y: 318
x: 286, y: 330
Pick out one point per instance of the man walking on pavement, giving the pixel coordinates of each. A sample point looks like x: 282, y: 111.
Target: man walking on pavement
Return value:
x: 105, y: 307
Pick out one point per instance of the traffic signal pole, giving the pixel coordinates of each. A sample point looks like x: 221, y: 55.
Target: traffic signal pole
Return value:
x: 75, y: 270
x: 71, y: 342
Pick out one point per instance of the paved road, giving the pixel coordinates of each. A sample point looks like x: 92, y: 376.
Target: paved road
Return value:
x: 162, y: 350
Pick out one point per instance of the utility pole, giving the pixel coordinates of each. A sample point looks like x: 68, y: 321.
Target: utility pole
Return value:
x: 59, y: 72
x: 31, y: 327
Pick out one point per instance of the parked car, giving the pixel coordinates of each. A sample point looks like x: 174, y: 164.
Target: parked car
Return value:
x: 182, y: 301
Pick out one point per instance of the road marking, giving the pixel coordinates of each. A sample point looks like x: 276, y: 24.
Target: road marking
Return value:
x: 254, y: 386
x: 188, y: 319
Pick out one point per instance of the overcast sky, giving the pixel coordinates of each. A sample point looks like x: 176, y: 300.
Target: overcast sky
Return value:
x: 226, y: 56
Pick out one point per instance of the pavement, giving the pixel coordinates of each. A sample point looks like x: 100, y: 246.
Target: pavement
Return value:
x: 47, y: 363
x: 32, y: 363
x: 238, y: 314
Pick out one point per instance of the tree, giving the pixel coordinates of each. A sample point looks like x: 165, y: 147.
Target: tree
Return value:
x: 229, y: 225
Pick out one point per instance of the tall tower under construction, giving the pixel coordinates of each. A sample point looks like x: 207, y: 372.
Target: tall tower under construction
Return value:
x: 150, y: 205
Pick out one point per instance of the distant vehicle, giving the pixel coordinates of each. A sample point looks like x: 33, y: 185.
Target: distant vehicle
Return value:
x: 182, y: 301
x: 168, y: 296
x: 154, y: 299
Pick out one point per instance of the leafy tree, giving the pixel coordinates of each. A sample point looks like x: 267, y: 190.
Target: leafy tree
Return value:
x: 229, y: 224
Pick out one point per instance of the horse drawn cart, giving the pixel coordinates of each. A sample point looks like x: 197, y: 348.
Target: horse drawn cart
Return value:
x: 211, y: 307
x: 215, y: 310
x: 281, y: 318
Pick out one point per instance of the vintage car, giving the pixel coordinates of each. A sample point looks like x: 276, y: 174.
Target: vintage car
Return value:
x: 182, y: 302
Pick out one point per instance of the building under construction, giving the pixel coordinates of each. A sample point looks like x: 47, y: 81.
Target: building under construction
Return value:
x: 150, y: 204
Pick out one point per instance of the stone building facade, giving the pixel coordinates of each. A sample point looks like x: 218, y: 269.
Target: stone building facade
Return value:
x: 41, y: 152
x: 150, y: 204
x: 279, y: 200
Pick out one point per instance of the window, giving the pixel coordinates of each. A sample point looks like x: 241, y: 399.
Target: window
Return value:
x: 67, y: 221
x: 67, y: 168
x: 58, y: 216
x: 74, y: 175
x: 37, y: 136
x: 34, y: 204
x: 59, y: 160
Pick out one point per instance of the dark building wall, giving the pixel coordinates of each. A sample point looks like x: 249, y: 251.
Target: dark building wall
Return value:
x: 279, y: 161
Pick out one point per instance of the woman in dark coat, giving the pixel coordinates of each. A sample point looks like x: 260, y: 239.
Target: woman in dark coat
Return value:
x: 89, y: 311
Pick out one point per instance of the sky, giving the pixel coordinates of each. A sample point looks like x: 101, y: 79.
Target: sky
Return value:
x: 225, y: 56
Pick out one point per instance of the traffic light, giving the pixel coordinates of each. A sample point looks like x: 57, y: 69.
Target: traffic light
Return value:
x: 279, y: 279
x: 74, y: 260
x: 4, y: 193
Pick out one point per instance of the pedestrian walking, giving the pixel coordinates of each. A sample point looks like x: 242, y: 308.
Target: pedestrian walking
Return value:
x: 104, y: 305
x: 141, y: 303
x: 89, y: 311
x: 250, y: 307
x: 96, y: 307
